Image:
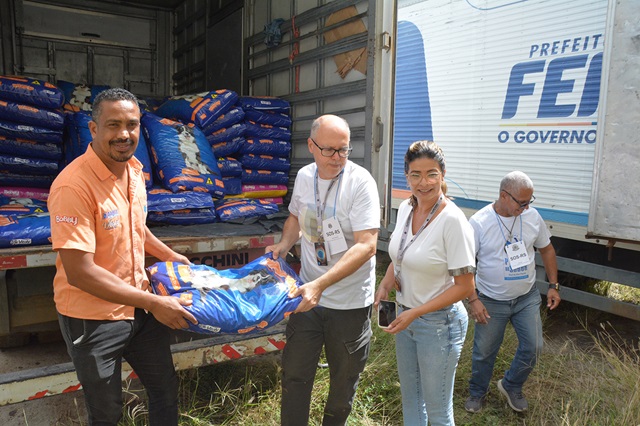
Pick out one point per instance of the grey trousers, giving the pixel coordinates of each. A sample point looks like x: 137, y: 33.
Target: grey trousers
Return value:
x: 345, y: 335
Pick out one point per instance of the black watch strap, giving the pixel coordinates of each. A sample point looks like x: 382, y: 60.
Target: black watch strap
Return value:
x: 554, y: 286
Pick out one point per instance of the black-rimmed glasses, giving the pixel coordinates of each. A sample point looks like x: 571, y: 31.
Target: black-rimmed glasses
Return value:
x: 520, y: 203
x: 328, y: 152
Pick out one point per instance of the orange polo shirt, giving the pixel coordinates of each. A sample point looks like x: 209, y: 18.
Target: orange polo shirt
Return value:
x: 90, y: 213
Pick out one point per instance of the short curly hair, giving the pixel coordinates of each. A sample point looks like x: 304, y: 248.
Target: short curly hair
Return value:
x: 111, y: 95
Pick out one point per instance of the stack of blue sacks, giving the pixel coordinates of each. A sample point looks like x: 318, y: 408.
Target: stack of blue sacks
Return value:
x: 31, y: 130
x: 221, y: 117
x: 265, y: 155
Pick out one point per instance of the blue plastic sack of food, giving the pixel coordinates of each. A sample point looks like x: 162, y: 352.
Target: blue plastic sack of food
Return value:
x: 264, y: 103
x: 79, y: 97
x: 232, y: 301
x: 265, y: 176
x: 30, y: 91
x: 23, y: 180
x: 274, y: 118
x: 265, y: 162
x: 229, y: 167
x: 35, y: 133
x: 227, y: 134
x: 228, y: 119
x: 227, y: 148
x: 266, y: 146
x: 20, y: 231
x: 184, y: 160
x: 266, y: 131
x: 25, y: 165
x: 235, y: 209
x: 31, y: 115
x: 150, y: 104
x: 232, y: 185
x: 183, y: 216
x: 201, y: 109
x: 31, y: 149
x: 21, y: 206
x: 160, y: 200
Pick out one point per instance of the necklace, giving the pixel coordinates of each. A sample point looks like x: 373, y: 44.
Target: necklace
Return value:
x: 505, y: 226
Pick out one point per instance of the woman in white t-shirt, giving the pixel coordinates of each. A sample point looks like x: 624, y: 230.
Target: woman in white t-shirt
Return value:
x: 432, y: 269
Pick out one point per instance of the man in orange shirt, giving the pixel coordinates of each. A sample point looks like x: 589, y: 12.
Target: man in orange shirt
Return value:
x: 98, y: 208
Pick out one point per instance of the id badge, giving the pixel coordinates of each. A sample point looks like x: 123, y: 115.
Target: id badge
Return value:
x: 517, y: 255
x: 321, y: 254
x: 396, y: 275
x: 333, y: 235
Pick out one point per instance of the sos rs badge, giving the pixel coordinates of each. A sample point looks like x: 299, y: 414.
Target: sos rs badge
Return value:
x: 517, y: 255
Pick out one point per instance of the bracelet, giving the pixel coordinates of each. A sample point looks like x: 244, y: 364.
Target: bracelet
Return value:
x: 471, y: 301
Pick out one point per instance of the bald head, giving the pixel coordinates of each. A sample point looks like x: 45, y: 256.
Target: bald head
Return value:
x: 331, y: 123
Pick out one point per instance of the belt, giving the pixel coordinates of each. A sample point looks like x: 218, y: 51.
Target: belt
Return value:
x: 404, y: 308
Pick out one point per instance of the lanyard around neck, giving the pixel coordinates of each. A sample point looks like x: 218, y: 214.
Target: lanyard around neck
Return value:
x: 405, y: 232
x: 501, y: 224
x: 321, y: 205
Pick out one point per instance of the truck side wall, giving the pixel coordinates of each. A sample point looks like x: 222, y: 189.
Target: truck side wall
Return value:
x: 615, y: 211
x: 504, y: 86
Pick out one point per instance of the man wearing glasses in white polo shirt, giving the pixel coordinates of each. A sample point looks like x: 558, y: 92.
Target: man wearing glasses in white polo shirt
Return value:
x: 506, y: 233
x: 335, y: 211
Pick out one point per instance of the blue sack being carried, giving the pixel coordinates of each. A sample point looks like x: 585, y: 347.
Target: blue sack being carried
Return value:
x: 232, y: 301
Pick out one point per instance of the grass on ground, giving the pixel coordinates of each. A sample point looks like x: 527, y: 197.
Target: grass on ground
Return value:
x: 590, y: 380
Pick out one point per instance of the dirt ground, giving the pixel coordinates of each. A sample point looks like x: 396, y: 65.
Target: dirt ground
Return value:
x: 581, y: 324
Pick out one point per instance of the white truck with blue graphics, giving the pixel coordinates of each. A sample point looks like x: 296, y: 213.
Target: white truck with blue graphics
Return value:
x: 549, y: 87
x: 546, y: 87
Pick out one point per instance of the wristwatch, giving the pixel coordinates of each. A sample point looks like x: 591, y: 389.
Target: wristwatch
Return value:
x: 554, y: 286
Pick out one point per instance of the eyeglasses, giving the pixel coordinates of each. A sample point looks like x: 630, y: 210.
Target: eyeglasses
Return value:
x: 328, y: 152
x: 431, y: 177
x: 520, y: 203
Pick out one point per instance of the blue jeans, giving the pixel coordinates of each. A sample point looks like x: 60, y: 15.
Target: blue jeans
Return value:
x: 97, y: 349
x: 427, y: 353
x: 524, y: 314
x: 346, y: 336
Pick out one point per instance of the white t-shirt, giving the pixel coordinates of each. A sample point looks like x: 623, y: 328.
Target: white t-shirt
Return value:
x: 444, y: 245
x: 494, y: 277
x: 354, y: 201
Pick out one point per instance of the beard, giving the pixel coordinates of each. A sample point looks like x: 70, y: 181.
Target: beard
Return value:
x: 120, y: 157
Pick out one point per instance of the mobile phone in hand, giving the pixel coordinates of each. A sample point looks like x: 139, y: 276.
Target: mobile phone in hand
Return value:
x: 387, y: 311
